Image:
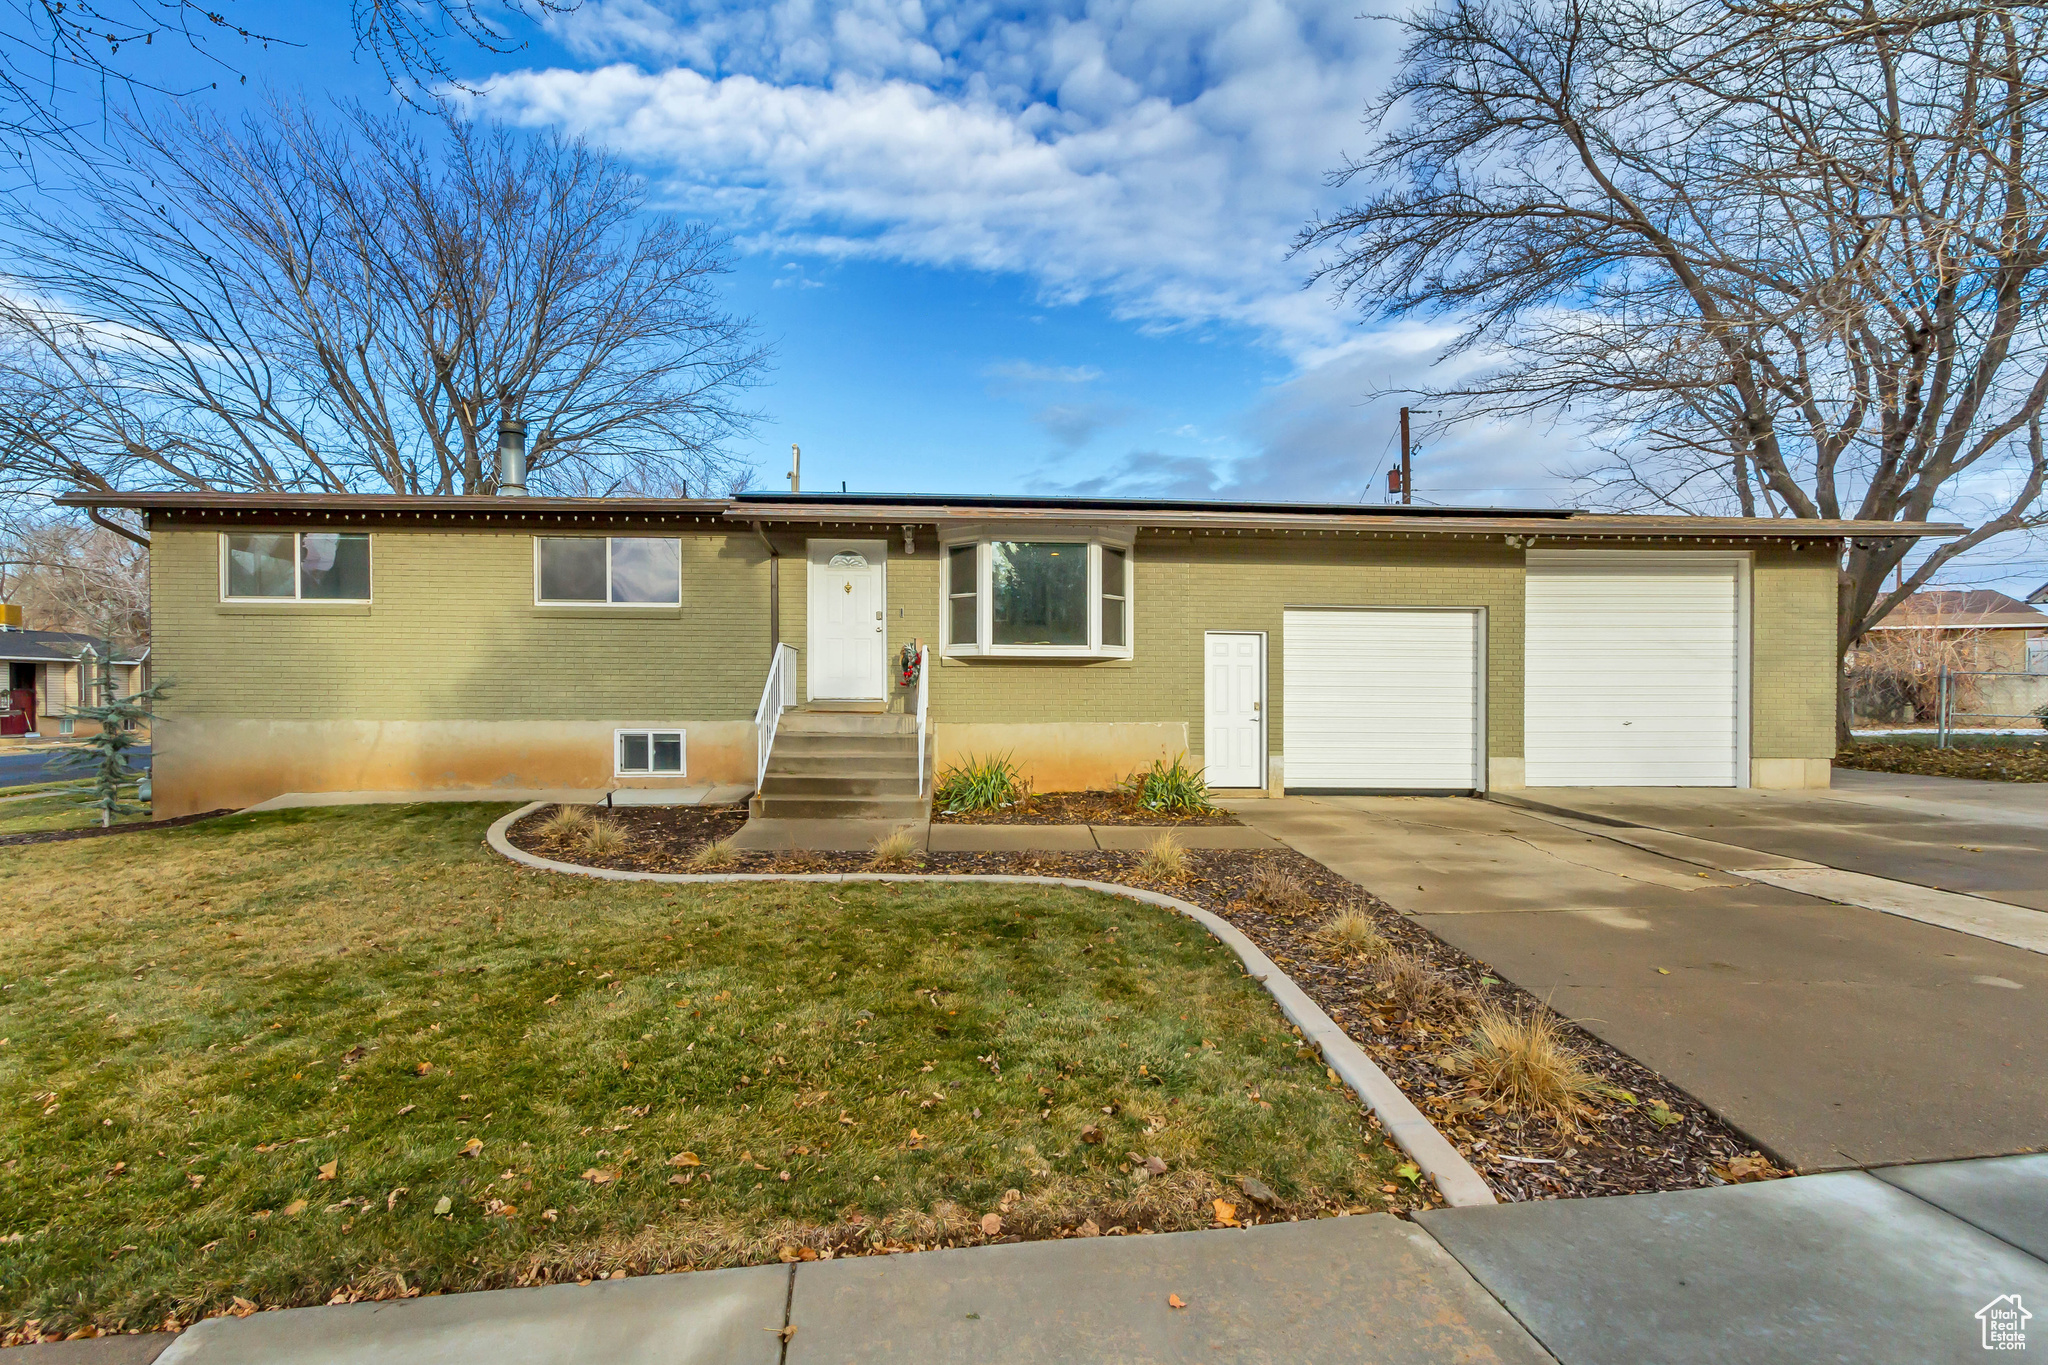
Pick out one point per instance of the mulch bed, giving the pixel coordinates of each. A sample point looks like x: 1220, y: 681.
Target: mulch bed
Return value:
x: 2023, y: 761
x: 1641, y: 1134
x: 53, y: 836
x: 1080, y: 808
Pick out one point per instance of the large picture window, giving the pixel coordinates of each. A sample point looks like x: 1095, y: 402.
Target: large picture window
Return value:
x: 295, y: 566
x: 1037, y: 597
x: 624, y: 571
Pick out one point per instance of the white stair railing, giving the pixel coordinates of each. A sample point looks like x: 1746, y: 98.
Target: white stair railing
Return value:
x: 778, y: 694
x: 923, y: 708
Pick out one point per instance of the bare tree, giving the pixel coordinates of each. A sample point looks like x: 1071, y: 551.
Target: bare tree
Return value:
x: 60, y: 59
x: 1786, y: 251
x: 297, y: 302
x: 70, y: 576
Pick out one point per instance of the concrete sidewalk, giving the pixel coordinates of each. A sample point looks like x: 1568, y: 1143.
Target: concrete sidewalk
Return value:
x: 1881, y: 1268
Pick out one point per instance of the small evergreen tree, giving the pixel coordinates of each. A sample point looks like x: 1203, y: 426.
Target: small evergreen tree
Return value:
x: 105, y: 753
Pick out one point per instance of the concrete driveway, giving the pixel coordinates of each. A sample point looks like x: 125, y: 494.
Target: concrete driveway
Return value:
x: 1985, y: 839
x: 1834, y: 1036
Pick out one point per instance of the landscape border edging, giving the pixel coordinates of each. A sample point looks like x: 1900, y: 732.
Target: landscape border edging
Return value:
x: 1461, y: 1185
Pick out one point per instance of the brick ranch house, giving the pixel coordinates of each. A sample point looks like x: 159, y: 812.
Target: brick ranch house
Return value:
x: 510, y: 643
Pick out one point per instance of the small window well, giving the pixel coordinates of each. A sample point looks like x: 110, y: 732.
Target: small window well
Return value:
x: 659, y: 752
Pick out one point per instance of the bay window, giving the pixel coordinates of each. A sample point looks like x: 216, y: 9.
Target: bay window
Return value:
x: 1022, y: 598
x: 625, y: 571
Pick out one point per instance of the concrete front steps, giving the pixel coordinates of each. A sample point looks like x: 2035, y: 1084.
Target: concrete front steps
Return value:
x: 830, y: 764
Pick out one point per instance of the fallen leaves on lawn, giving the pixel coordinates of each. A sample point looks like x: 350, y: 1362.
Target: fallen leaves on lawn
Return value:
x: 991, y: 1224
x: 295, y: 1208
x: 443, y: 1207
x: 472, y: 1147
x: 684, y: 1159
x: 391, y: 1200
x: 329, y: 1169
x: 1226, y: 1212
x: 597, y: 1175
x: 423, y: 1068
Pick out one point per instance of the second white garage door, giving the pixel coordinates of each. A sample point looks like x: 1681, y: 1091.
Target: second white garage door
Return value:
x: 1635, y: 668
x: 1381, y: 700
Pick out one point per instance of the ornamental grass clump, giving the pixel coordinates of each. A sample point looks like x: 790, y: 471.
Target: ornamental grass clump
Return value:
x: 1173, y: 788
x: 716, y: 854
x: 1413, y: 985
x: 893, y: 850
x: 1164, y: 860
x: 1278, y: 889
x: 979, y: 784
x: 1521, y: 1062
x: 1353, y: 933
x: 566, y: 823
x: 605, y: 836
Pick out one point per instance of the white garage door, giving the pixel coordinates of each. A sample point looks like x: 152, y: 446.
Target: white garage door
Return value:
x: 1634, y: 670
x: 1381, y: 700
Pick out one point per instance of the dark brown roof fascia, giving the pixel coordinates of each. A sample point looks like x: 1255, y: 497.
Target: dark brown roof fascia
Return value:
x: 215, y: 508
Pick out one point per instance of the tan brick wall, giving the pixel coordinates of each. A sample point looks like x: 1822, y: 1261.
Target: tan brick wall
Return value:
x: 1792, y: 654
x: 453, y: 634
x: 1184, y: 586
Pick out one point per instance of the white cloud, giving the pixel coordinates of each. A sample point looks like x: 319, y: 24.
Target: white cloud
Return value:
x: 1160, y: 156
x: 1026, y: 372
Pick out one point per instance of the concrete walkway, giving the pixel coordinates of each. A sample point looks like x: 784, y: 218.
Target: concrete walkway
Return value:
x: 1881, y: 1268
x: 821, y: 836
x: 1986, y: 839
x: 1833, y: 1036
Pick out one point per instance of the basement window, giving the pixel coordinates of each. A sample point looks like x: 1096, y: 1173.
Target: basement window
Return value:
x: 295, y: 566
x: 643, y: 752
x: 619, y: 571
x: 1050, y: 598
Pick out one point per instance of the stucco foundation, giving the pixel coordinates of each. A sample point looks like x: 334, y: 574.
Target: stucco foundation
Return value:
x: 1791, y: 774
x: 203, y: 763
x: 1074, y: 756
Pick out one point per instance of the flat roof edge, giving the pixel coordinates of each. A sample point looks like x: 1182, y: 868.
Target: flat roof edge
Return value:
x: 877, y: 509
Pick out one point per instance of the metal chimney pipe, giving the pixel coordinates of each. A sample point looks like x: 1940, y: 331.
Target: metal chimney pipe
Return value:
x: 512, y: 458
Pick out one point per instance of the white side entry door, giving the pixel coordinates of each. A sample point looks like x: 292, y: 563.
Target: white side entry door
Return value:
x: 847, y: 631
x: 1234, y: 735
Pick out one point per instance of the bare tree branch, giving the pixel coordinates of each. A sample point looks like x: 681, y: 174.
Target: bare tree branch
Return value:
x: 1793, y: 251
x: 299, y: 302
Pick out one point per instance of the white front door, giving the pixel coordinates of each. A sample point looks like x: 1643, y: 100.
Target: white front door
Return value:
x: 848, y: 633
x: 1234, y: 738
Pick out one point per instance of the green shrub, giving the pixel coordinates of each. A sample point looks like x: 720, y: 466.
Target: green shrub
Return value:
x: 979, y: 784
x: 1172, y: 787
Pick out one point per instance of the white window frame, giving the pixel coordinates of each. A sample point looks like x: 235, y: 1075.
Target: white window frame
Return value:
x: 298, y: 596
x: 607, y: 603
x: 619, y: 769
x: 984, y: 646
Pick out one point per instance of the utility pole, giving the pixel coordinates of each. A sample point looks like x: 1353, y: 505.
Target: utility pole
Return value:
x: 1407, y: 470
x: 796, y: 468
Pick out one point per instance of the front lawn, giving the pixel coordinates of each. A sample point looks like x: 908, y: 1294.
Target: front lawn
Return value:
x: 61, y: 809
x: 349, y: 1052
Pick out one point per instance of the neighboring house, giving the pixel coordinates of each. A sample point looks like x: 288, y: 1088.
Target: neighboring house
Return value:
x: 50, y: 672
x: 1993, y: 633
x: 378, y: 642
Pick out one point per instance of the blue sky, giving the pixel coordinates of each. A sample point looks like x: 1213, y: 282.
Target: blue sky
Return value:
x: 1011, y: 248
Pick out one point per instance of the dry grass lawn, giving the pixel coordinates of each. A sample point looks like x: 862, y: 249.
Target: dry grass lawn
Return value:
x: 349, y: 1052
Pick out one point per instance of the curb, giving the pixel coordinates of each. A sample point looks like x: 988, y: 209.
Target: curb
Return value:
x: 1460, y: 1184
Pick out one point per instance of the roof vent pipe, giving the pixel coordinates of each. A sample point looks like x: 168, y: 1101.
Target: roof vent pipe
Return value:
x: 512, y: 458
